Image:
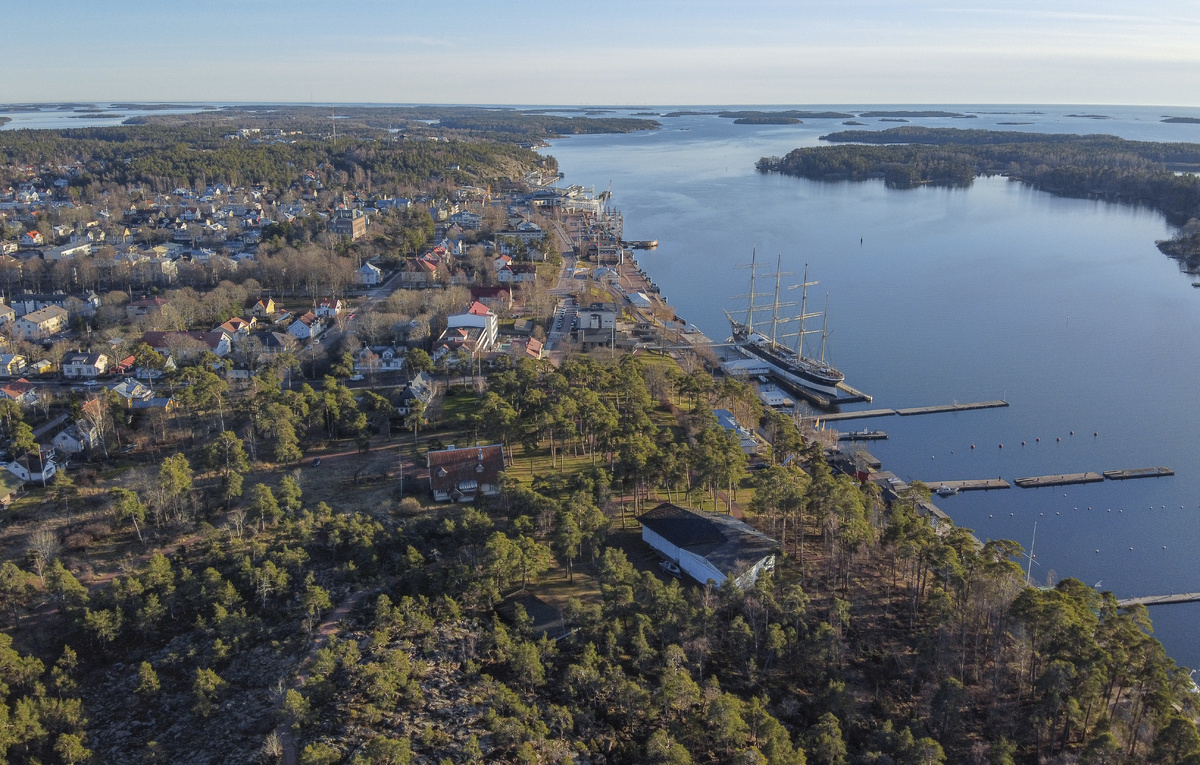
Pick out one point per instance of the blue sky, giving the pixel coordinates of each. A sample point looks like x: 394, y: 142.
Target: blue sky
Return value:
x: 614, y: 52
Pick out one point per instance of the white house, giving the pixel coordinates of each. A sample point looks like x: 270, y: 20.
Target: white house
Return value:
x: 369, y: 275
x: 33, y: 467
x: 306, y: 327
x: 84, y: 364
x: 77, y: 438
x: 709, y: 546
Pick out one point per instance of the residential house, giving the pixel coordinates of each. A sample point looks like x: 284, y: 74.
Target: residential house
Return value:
x: 84, y: 304
x: 263, y: 309
x: 369, y: 275
x: 598, y: 316
x: 379, y: 358
x: 144, y: 307
x: 460, y: 475
x: 517, y: 273
x: 274, y: 343
x: 40, y: 324
x: 306, y: 327
x: 235, y: 327
x: 709, y: 547
x: 77, y: 438
x: 134, y: 395
x: 32, y: 239
x: 33, y: 467
x: 20, y: 390
x: 80, y: 364
x: 498, y: 298
x: 7, y: 314
x: 187, y: 344
x: 419, y: 272
x: 330, y: 308
x: 11, y: 364
x: 419, y: 389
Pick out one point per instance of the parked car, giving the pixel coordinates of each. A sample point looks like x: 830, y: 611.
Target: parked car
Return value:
x: 669, y: 567
x: 316, y: 462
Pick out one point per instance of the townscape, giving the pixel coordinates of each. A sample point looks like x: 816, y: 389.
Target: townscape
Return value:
x: 324, y: 462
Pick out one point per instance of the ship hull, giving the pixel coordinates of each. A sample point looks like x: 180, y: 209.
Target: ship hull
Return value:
x: 792, y: 373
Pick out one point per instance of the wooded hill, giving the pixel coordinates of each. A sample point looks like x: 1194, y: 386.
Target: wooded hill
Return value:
x: 1099, y: 166
x: 167, y: 157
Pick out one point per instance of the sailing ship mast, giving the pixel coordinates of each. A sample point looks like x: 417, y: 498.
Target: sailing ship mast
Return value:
x: 803, y: 286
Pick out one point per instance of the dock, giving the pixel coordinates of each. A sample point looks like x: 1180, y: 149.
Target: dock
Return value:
x: 853, y: 395
x: 1063, y: 479
x: 950, y: 408
x: 1160, y: 600
x: 863, y: 435
x: 1150, y: 472
x: 858, y: 415
x: 980, y: 484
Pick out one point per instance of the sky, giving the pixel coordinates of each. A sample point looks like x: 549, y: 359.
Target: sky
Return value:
x: 636, y: 52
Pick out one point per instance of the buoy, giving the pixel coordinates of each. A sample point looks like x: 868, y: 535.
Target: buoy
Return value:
x: 1059, y: 440
x: 972, y: 446
x: 1072, y: 432
x: 1130, y: 548
x: 1038, y: 440
x: 1010, y: 514
x: 1097, y: 551
x: 1057, y: 513
x: 1001, y: 446
x: 1096, y: 434
x: 1022, y: 443
x: 1164, y: 547
x: 1042, y: 514
x: 991, y: 516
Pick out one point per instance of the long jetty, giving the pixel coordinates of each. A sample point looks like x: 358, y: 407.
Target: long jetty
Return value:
x: 1062, y: 479
x: 950, y: 408
x: 864, y: 413
x: 979, y: 484
x: 1160, y: 600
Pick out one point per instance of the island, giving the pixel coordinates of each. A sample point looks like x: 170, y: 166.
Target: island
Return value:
x: 1093, y: 166
x: 793, y: 113
x: 903, y: 113
x: 1182, y: 120
x: 767, y: 119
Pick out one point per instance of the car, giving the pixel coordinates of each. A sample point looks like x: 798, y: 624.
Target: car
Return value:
x: 316, y: 462
x: 92, y: 383
x: 669, y: 567
x: 356, y: 378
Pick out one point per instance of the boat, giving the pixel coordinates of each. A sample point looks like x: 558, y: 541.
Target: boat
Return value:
x: 946, y: 491
x: 789, y: 364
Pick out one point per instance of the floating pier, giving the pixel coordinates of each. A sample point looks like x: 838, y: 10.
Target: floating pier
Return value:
x: 863, y: 435
x: 981, y: 484
x: 1150, y: 472
x: 1063, y: 479
x: 858, y: 415
x: 1160, y: 600
x: 950, y: 408
x: 854, y: 395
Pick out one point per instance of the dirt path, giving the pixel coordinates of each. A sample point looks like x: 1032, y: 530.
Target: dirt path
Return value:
x: 327, y: 629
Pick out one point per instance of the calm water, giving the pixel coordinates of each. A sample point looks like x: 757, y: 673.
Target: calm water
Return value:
x: 1063, y: 307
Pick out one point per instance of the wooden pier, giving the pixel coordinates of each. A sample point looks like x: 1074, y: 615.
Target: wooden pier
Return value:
x: 950, y: 408
x: 1160, y: 600
x: 855, y: 395
x: 1150, y: 472
x: 858, y: 415
x: 1063, y: 479
x: 981, y: 484
x: 863, y: 435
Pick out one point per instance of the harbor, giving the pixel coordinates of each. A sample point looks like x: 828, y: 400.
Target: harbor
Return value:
x: 910, y: 411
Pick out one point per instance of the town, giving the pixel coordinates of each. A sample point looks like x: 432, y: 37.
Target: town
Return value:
x: 377, y: 465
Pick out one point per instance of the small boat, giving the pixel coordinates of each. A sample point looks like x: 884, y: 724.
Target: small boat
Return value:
x: 946, y: 491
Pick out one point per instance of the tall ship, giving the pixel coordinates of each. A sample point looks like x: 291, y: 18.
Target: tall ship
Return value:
x: 764, y: 341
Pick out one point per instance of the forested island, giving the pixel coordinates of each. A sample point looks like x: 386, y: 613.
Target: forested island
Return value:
x: 767, y: 119
x: 496, y: 123
x: 1094, y: 166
